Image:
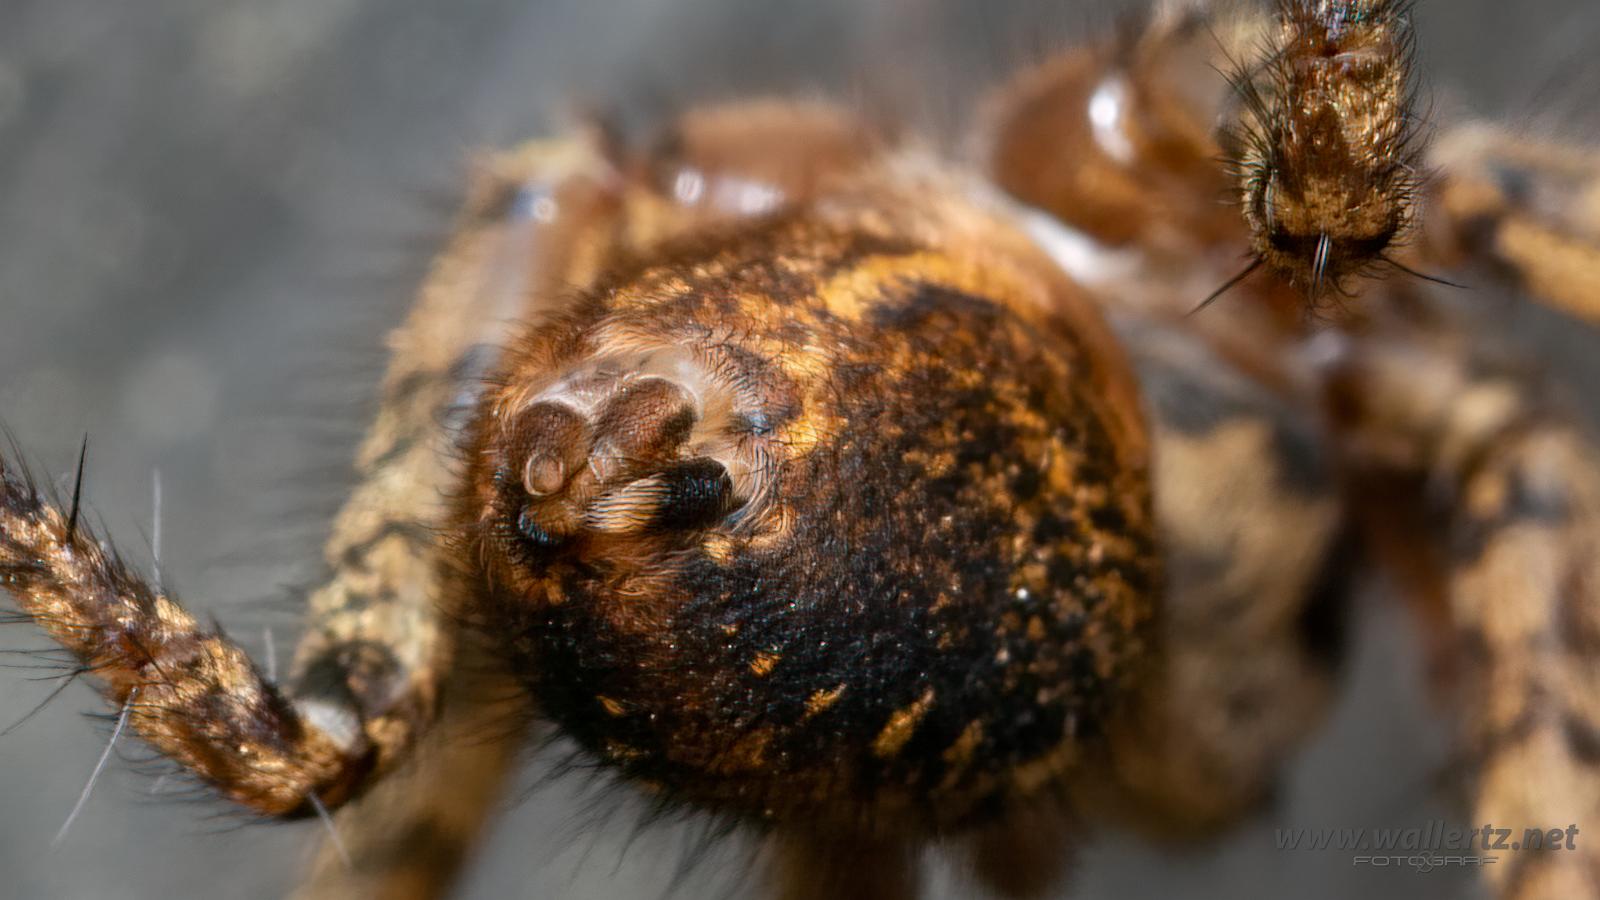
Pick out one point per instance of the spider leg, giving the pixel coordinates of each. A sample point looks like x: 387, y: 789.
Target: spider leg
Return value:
x: 381, y: 630
x: 809, y: 866
x: 1530, y: 210
x: 412, y: 833
x: 1024, y: 856
x: 189, y: 691
x: 1252, y: 529
x: 1516, y: 485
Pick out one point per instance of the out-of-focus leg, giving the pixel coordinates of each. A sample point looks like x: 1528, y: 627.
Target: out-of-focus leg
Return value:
x: 1515, y: 484
x: 380, y: 630
x: 1024, y: 856
x: 1527, y: 210
x: 1250, y: 523
x: 843, y: 867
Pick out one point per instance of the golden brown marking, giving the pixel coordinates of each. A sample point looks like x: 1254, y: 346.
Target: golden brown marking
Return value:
x: 764, y: 663
x: 820, y: 701
x: 722, y: 548
x: 618, y: 752
x: 959, y: 754
x: 747, y: 754
x: 901, y: 726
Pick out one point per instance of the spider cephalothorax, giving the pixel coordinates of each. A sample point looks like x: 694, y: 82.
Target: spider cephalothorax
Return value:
x: 1329, y: 150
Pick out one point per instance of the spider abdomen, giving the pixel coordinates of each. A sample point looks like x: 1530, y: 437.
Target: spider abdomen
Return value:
x: 887, y: 558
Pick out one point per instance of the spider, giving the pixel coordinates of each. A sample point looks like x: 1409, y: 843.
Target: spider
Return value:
x: 868, y: 501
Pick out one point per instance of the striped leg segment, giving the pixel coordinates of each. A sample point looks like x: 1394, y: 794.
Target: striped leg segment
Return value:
x: 1517, y: 488
x: 190, y: 692
x: 1530, y: 210
x: 381, y: 630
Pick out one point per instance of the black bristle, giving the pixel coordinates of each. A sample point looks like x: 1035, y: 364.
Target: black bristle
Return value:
x: 1229, y: 285
x: 77, y: 492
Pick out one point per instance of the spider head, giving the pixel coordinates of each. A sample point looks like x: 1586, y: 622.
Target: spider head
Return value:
x: 1318, y: 229
x: 1328, y: 149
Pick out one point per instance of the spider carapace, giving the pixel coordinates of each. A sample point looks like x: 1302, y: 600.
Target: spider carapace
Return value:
x: 871, y: 501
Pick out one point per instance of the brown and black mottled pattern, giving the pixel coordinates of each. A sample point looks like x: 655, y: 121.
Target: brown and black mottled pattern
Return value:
x: 1515, y: 483
x: 950, y: 591
x: 799, y: 598
x: 1257, y: 577
x: 1525, y: 555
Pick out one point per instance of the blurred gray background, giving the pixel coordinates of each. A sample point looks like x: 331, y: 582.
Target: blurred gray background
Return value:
x: 210, y: 212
